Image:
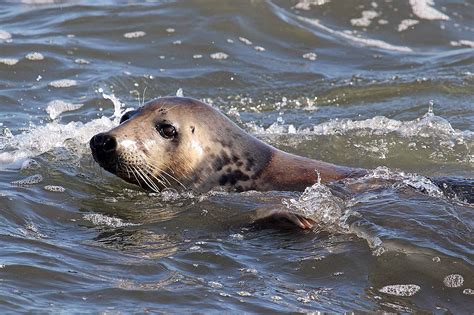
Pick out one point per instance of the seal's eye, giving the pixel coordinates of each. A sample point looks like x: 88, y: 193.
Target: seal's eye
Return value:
x: 167, y: 131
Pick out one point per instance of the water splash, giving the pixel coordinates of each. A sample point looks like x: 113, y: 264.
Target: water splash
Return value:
x: 424, y: 10
x: 106, y: 221
x: 453, y: 281
x: 401, y: 289
x: 31, y: 180
x: 429, y: 125
x: 333, y: 212
x: 40, y: 139
x: 119, y: 107
x: 383, y: 176
x: 368, y: 42
x: 57, y: 107
x: 318, y: 203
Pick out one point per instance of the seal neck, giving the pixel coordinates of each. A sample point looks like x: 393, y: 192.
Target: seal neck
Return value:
x: 287, y: 171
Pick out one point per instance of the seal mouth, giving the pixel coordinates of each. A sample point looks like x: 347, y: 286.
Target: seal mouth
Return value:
x: 110, y: 165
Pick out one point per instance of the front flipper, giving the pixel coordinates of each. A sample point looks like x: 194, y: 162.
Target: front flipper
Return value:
x: 283, y: 218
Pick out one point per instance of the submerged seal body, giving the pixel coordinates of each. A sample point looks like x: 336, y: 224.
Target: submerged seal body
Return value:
x: 182, y: 142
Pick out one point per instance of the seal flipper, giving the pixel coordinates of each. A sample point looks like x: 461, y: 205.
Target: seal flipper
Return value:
x: 455, y: 187
x: 283, y: 218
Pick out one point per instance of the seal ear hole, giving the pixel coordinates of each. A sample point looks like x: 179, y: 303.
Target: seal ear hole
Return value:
x: 167, y: 131
x: 192, y: 129
x: 126, y: 116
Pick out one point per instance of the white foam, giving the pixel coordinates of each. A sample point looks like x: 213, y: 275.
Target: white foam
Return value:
x: 237, y: 236
x: 244, y: 293
x: 53, y: 188
x: 9, y: 61
x: 406, y: 24
x: 103, y: 220
x: 81, y: 61
x: 170, y: 195
x: 219, y: 56
x: 5, y: 36
x: 310, y: 56
x: 34, y: 56
x: 453, y: 281
x: 463, y: 42
x: 63, y: 83
x: 359, y: 40
x: 424, y: 10
x: 31, y: 180
x: 366, y: 19
x: 215, y: 285
x: 307, y: 4
x: 426, y: 126
x: 57, y: 107
x: 119, y: 107
x: 403, y: 179
x: 245, y: 41
x: 16, y: 149
x: 179, y: 92
x: 41, y: 139
x: 318, y: 203
x: 134, y: 34
x: 401, y: 289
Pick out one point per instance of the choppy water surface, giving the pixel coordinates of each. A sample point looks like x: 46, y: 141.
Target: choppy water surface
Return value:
x: 385, y: 85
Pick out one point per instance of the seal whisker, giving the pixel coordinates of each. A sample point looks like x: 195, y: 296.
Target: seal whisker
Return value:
x: 151, y: 168
x: 159, y: 180
x: 149, y: 173
x: 135, y: 173
x: 150, y: 181
x: 162, y: 172
x: 132, y: 169
x: 145, y: 180
x: 174, y: 178
x: 127, y: 168
x: 128, y: 171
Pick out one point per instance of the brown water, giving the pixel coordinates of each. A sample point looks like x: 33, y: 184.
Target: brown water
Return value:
x: 385, y: 85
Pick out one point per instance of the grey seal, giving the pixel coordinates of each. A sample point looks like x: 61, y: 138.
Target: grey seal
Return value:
x: 184, y: 143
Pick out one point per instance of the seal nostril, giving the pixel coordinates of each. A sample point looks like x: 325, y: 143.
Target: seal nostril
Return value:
x: 109, y: 143
x: 103, y: 142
